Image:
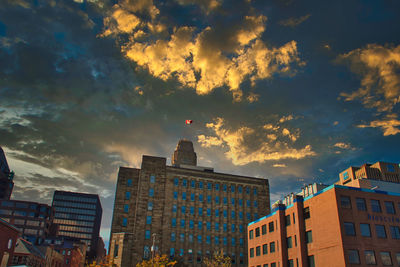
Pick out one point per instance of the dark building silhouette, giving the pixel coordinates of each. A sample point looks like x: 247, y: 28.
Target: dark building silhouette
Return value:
x: 6, y: 177
x: 78, y: 215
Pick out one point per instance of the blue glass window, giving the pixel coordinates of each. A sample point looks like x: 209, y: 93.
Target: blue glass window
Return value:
x: 184, y: 183
x: 150, y: 206
x: 173, y: 222
x: 183, y: 209
x: 173, y: 237
x: 200, y: 225
x: 193, y: 184
x: 241, y: 215
x: 225, y: 200
x: 182, y: 237
x: 217, y: 213
x: 192, y: 210
x: 248, y: 216
x: 247, y: 190
x: 232, y: 188
x: 208, y: 225
x: 208, y: 212
x: 232, y: 201
x: 255, y: 216
x: 129, y: 182
x: 225, y: 227
x: 216, y: 226
x: 209, y: 186
x: 192, y: 196
x: 255, y: 203
x: 240, y: 202
x: 233, y: 242
x: 175, y: 195
x: 217, y: 199
x: 255, y: 191
x: 248, y: 203
x: 224, y: 187
x: 148, y: 220
x: 233, y: 228
x: 216, y: 187
x: 241, y: 242
x: 176, y: 181
x: 181, y: 252
x: 225, y: 213
x: 171, y: 252
x: 152, y: 179
x: 183, y: 223
x: 201, y: 198
x: 216, y: 240
x: 191, y: 224
x: 151, y: 192
x: 240, y: 189
x: 183, y: 195
x: 174, y: 208
x: 126, y: 208
x: 201, y: 185
x: 208, y: 239
x: 225, y: 241
x: 199, y: 239
x: 241, y: 228
x: 208, y: 199
x: 200, y: 211
x: 190, y: 239
x: 233, y: 215
x: 124, y: 221
x: 127, y: 195
x: 147, y: 234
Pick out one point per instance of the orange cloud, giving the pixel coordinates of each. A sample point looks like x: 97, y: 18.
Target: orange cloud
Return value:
x: 389, y: 125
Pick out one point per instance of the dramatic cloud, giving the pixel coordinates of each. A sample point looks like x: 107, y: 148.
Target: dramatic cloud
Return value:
x: 293, y: 22
x: 206, y: 5
x: 390, y: 125
x: 245, y: 145
x: 343, y: 145
x: 379, y: 68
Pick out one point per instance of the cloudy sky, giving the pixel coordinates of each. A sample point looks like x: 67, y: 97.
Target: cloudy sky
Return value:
x: 293, y: 91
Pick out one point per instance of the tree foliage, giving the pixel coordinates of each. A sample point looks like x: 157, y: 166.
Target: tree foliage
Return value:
x: 159, y: 261
x: 218, y: 260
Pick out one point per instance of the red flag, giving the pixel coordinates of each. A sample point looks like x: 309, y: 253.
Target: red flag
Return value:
x: 188, y: 121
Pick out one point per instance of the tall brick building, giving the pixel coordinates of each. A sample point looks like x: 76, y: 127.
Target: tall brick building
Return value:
x: 6, y: 177
x: 187, y: 211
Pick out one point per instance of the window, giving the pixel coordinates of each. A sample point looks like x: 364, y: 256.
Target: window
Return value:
x: 345, y: 202
x: 398, y: 258
x: 173, y: 222
x: 395, y: 232
x: 184, y: 183
x: 232, y: 188
x: 376, y: 206
x: 271, y: 226
x: 183, y: 209
x: 208, y: 212
x: 248, y: 203
x: 257, y: 231
x: 390, y: 168
x: 255, y: 203
x: 190, y: 238
x: 248, y: 216
x: 208, y: 199
x: 216, y: 200
x: 240, y: 189
x: 251, y: 234
x: 349, y: 229
x: 289, y: 242
x: 199, y: 239
x: 241, y: 228
x: 273, y: 264
x: 176, y: 181
x: 365, y: 229
x: 354, y: 258
x: 255, y: 216
x: 308, y: 237
x: 129, y: 182
x: 265, y: 249
x: 124, y: 221
x: 193, y: 184
x: 232, y: 201
x: 147, y: 234
x: 200, y: 211
x: 241, y: 242
x: 233, y: 228
x: 209, y: 186
x: 386, y: 259
x: 183, y: 195
x: 226, y: 228
x: 208, y: 225
x: 216, y: 226
x: 126, y: 208
x: 208, y: 239
x: 251, y: 252
x: 192, y: 196
x: 233, y: 214
x: 389, y: 207
x: 148, y: 220
x: 233, y: 242
x: 294, y: 219
x: 201, y: 185
x: 173, y: 237
x: 182, y: 237
x: 216, y: 187
x: 361, y: 205
x: 191, y: 224
x: 183, y: 223
x: 225, y: 213
x: 258, y: 251
x: 264, y: 229
x: 225, y: 200
x: 272, y: 247
x: 192, y: 210
x: 150, y: 206
x: 216, y: 240
x: 201, y: 198
x: 370, y: 257
x: 152, y: 179
x: 127, y: 195
x: 255, y: 191
x: 200, y: 225
x: 175, y: 195
x: 224, y: 187
x: 380, y: 231
x: 290, y: 263
x: 306, y: 213
x: 171, y: 252
x: 287, y: 220
x: 240, y: 202
x: 241, y: 215
x: 217, y: 213
x: 181, y: 252
x: 311, y: 261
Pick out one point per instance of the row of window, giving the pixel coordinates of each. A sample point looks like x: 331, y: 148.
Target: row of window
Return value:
x: 217, y: 199
x: 365, y: 230
x: 181, y: 253
x: 76, y: 198
x: 217, y: 212
x: 76, y: 229
x: 310, y: 262
x: 23, y: 213
x: 208, y: 240
x: 207, y: 225
x: 211, y: 186
x: 263, y: 230
x: 74, y: 204
x: 73, y: 222
x: 370, y: 257
x: 74, y: 216
x: 375, y: 205
x: 73, y: 234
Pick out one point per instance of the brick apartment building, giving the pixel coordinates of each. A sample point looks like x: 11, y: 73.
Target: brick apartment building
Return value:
x: 336, y: 226
x: 188, y: 211
x: 8, y: 238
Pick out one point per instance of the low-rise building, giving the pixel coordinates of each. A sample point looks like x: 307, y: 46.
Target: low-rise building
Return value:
x: 26, y: 253
x: 8, y: 238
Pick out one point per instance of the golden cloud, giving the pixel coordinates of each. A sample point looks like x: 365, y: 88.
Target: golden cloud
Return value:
x: 120, y: 21
x: 389, y: 125
x: 206, y: 5
x: 293, y: 22
x: 343, y: 145
x: 279, y: 165
x: 237, y: 141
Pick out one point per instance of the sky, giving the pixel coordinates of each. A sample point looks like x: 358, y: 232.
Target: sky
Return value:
x: 288, y: 90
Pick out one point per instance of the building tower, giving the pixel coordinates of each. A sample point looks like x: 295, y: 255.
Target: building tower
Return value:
x: 191, y: 211
x: 6, y: 177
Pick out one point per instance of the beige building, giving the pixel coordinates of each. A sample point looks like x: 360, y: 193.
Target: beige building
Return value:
x: 188, y: 212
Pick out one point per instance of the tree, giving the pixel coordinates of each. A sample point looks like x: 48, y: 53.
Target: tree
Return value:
x: 158, y: 261
x: 219, y: 260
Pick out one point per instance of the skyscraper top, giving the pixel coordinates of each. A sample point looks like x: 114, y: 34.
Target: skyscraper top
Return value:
x: 184, y: 154
x: 4, y: 169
